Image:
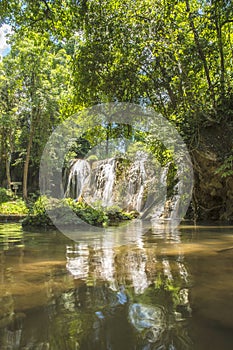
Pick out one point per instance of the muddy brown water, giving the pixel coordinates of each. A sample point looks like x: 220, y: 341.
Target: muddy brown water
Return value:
x: 131, y: 287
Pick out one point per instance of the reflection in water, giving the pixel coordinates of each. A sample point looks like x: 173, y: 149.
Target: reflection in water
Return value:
x: 134, y: 287
x: 152, y: 287
x: 77, y: 260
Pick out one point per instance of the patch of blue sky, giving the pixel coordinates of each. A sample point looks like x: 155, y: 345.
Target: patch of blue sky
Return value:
x: 5, y: 29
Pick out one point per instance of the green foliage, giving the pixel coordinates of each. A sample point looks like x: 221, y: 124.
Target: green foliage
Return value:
x: 17, y: 207
x: 87, y: 213
x: 79, y: 148
x: 5, y: 195
x: 115, y: 215
x: 92, y: 158
x: 226, y: 169
x: 34, y: 88
x: 39, y: 205
x: 157, y: 148
x: 171, y: 179
x: 174, y: 56
x: 135, y: 147
x: 37, y: 215
x: 11, y: 206
x: 100, y: 216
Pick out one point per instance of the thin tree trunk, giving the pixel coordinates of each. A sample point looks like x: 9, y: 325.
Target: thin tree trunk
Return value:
x: 34, y: 117
x: 26, y: 164
x: 8, y: 172
x: 108, y: 135
x: 167, y: 81
x: 199, y: 49
x: 218, y: 25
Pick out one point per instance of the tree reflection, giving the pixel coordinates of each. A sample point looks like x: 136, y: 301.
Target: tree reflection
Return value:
x: 139, y: 286
x: 120, y: 290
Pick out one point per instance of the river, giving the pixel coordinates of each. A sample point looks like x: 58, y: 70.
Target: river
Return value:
x: 130, y: 287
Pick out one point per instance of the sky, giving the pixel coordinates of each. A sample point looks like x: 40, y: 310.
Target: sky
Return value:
x: 4, y: 47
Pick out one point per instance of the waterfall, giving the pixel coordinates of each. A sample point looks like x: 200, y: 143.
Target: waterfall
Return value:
x: 177, y: 202
x: 137, y: 180
x: 104, y: 182
x: 156, y: 201
x: 95, y: 182
x: 139, y: 184
x: 79, y: 178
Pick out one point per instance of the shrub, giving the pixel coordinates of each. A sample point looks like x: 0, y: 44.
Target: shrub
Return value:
x: 87, y: 213
x: 100, y: 216
x: 38, y: 215
x: 116, y: 214
x: 92, y: 158
x: 5, y: 195
x: 17, y: 207
x: 226, y: 169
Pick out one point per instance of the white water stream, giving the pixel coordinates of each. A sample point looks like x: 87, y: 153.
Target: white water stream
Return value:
x: 138, y: 186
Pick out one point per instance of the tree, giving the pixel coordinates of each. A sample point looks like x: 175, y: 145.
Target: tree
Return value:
x: 9, y: 125
x: 41, y: 70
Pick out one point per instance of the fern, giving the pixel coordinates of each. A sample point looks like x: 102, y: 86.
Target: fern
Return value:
x: 226, y: 169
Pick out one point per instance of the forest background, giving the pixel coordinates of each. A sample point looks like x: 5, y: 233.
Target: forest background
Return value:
x: 173, y: 56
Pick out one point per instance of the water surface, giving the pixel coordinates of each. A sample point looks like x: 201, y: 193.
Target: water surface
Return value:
x: 133, y: 287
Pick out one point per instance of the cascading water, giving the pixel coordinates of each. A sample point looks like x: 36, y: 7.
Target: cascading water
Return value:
x: 79, y: 178
x: 156, y: 200
x: 95, y: 184
x: 177, y: 201
x: 104, y: 182
x: 138, y: 185
x: 137, y: 178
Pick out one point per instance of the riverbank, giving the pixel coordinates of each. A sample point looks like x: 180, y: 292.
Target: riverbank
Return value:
x: 4, y: 218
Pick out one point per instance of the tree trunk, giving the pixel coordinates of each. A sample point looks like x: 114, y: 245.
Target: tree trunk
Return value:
x: 35, y: 113
x: 26, y: 165
x: 200, y: 50
x: 218, y: 25
x: 108, y: 135
x: 167, y: 85
x: 8, y: 172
